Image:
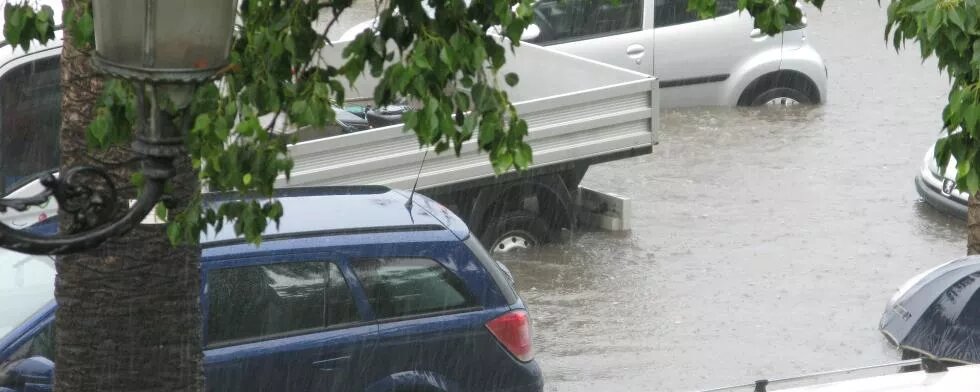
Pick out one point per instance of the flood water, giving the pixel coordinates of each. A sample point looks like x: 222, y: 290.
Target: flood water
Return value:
x: 765, y: 243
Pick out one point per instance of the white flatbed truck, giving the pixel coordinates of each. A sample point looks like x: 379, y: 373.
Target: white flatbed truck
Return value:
x: 580, y: 113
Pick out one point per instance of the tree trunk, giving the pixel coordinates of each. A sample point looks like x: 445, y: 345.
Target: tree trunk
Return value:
x: 973, y: 225
x: 128, y: 315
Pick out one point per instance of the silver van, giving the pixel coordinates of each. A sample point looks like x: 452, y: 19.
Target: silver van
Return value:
x: 722, y: 61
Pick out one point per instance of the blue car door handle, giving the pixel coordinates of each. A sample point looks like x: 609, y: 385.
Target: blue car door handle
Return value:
x: 329, y: 365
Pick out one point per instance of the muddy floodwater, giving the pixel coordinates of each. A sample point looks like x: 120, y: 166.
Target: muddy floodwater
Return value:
x: 765, y: 242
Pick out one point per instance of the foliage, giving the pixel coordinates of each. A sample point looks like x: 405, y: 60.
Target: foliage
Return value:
x: 23, y: 24
x: 446, y: 58
x: 950, y: 31
x: 770, y: 16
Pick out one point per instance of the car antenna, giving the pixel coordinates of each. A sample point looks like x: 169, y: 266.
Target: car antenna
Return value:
x: 411, y: 196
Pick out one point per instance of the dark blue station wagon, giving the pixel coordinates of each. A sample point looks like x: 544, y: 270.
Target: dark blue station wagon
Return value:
x: 354, y: 292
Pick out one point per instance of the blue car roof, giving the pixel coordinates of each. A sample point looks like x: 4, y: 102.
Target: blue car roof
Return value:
x: 312, y: 211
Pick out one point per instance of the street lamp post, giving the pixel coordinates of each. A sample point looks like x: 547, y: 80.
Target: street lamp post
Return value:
x: 166, y: 48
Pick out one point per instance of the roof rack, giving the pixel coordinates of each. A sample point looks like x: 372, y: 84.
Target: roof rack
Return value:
x: 322, y: 233
x: 217, y: 197
x: 928, y: 364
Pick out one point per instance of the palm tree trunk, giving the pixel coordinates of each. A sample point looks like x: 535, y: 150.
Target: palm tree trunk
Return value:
x: 973, y: 225
x: 128, y: 315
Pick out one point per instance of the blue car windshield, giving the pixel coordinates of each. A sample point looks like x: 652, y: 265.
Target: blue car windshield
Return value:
x: 26, y: 284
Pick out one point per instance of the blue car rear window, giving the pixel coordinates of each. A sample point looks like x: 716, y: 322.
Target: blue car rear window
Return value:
x: 404, y: 287
x: 494, y: 269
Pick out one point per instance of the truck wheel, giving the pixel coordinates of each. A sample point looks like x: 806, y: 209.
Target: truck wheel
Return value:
x: 781, y: 96
x: 515, y: 231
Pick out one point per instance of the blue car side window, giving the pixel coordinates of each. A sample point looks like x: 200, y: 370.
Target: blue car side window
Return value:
x: 403, y: 287
x: 275, y: 300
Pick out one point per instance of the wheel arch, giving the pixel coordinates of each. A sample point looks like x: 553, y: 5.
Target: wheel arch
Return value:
x: 781, y: 78
x: 554, y: 200
x: 414, y: 381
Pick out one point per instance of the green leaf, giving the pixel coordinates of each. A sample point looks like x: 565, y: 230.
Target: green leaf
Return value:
x: 446, y: 56
x: 522, y: 156
x: 461, y: 100
x: 247, y: 179
x: 973, y: 182
x: 956, y: 16
x: 44, y: 23
x: 99, y: 128
x: 173, y: 232
x: 161, y: 212
x: 80, y: 25
x: 922, y: 5
x: 502, y: 162
x: 971, y: 120
x: 14, y: 16
x: 421, y: 62
x: 963, y: 168
x: 511, y: 79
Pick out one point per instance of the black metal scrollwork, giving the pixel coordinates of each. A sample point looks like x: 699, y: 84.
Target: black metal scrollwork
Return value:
x: 87, y: 193
x: 93, y: 207
x: 90, y: 198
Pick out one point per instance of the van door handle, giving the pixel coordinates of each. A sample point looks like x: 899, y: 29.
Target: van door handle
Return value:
x: 329, y: 365
x: 636, y: 52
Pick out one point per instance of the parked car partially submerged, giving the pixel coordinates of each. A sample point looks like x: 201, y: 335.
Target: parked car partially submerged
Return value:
x: 939, y: 189
x: 360, y: 289
x: 723, y: 61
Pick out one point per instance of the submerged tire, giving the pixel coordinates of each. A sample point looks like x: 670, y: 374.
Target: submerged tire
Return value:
x: 781, y: 96
x: 515, y: 231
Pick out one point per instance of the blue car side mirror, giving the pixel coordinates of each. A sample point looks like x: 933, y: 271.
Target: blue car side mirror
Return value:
x: 34, y: 374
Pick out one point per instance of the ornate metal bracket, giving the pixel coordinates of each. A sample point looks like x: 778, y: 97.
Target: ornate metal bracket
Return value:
x: 90, y: 196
